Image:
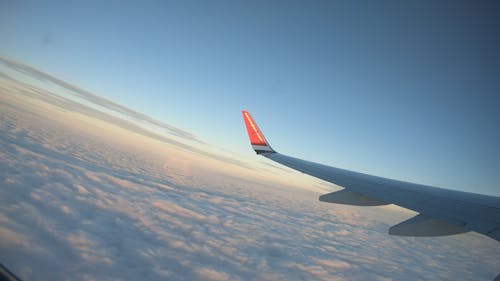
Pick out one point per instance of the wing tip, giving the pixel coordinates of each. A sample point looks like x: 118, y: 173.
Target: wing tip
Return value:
x: 257, y: 139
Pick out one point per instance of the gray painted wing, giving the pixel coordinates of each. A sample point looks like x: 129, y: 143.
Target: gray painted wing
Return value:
x: 467, y: 211
x: 441, y: 211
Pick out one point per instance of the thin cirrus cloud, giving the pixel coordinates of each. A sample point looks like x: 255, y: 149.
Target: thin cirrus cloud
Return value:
x: 78, y: 202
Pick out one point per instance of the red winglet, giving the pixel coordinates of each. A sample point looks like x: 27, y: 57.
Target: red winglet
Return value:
x: 257, y: 139
x: 255, y: 135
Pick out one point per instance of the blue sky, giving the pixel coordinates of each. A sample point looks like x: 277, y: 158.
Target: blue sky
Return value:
x: 402, y: 89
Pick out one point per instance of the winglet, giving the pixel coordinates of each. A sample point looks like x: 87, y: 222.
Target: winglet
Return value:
x: 257, y: 139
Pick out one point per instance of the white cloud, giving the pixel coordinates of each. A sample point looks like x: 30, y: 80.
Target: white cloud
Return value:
x: 12, y: 239
x: 331, y: 263
x: 211, y: 274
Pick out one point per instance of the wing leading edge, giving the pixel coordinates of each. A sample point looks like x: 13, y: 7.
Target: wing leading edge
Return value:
x: 441, y: 211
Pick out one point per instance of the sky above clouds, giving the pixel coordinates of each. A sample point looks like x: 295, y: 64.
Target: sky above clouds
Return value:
x: 406, y: 90
x: 86, y: 195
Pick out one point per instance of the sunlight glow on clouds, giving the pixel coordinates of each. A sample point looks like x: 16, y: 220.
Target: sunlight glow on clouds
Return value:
x: 84, y: 197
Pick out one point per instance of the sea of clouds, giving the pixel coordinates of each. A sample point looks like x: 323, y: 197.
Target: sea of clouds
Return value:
x: 87, y: 195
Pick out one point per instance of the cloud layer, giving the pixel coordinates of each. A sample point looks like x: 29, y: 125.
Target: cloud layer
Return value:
x: 83, y: 199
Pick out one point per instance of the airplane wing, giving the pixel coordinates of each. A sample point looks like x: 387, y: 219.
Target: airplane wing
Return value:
x: 441, y: 211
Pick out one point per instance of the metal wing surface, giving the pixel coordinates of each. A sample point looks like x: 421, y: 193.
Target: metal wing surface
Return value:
x: 441, y: 211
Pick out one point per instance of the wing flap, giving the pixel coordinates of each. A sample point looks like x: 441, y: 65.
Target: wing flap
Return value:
x: 422, y: 225
x: 349, y: 197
